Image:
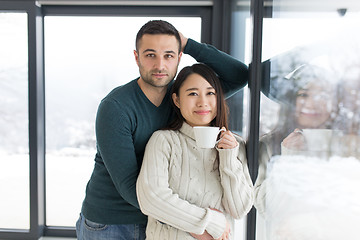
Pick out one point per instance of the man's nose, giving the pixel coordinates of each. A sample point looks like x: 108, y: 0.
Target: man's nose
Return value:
x: 159, y: 63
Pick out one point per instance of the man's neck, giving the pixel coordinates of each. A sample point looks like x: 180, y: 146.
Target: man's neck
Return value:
x: 154, y: 94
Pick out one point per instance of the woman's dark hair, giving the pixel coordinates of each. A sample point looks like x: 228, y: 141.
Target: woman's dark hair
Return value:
x: 287, y: 95
x: 157, y: 27
x: 209, y: 75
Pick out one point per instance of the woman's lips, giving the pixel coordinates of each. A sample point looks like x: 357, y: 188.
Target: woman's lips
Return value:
x: 309, y: 112
x: 202, y: 112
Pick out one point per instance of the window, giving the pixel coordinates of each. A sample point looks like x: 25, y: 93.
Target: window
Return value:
x: 309, y: 126
x: 85, y: 58
x: 14, y: 132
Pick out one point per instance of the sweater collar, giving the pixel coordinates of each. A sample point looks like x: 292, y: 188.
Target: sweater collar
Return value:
x: 187, y: 130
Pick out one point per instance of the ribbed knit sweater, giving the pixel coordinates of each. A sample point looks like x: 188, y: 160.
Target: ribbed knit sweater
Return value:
x: 125, y: 120
x: 179, y: 183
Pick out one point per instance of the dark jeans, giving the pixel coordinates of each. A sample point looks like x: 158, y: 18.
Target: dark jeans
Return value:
x: 88, y: 230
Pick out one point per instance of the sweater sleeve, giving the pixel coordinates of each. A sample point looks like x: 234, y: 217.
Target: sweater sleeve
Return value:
x: 156, y: 198
x: 289, y: 151
x: 115, y: 144
x: 233, y: 74
x: 236, y: 181
x: 260, y: 183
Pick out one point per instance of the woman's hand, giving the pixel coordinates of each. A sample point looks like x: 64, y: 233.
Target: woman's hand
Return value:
x: 295, y: 140
x: 204, y: 236
x: 207, y: 236
x: 227, y: 140
x: 226, y: 234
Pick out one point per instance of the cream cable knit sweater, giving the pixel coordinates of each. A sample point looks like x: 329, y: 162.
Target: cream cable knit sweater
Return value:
x: 179, y: 183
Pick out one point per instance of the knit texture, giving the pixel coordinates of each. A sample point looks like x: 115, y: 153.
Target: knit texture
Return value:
x: 179, y: 183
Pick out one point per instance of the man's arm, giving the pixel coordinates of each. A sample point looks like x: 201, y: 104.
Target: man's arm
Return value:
x: 114, y: 141
x: 233, y: 74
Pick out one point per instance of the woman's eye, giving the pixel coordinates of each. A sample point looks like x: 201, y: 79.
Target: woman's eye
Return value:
x: 211, y: 93
x: 193, y: 94
x: 324, y: 96
x: 302, y: 95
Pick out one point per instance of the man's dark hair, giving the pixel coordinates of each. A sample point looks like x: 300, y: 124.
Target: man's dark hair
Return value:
x: 157, y: 27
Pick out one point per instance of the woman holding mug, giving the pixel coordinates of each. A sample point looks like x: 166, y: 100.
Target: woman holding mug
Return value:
x: 190, y: 192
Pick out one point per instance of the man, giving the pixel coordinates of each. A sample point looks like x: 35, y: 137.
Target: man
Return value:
x: 126, y: 119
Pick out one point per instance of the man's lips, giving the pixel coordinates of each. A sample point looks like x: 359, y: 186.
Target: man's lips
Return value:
x: 159, y: 75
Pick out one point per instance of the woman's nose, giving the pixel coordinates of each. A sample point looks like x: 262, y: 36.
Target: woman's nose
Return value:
x: 310, y: 101
x: 202, y: 102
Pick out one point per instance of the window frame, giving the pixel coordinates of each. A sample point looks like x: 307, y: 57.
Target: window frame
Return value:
x: 36, y: 115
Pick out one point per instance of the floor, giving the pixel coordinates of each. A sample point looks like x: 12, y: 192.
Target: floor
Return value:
x: 56, y: 238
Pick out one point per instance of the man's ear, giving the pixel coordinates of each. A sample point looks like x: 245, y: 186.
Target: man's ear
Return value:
x: 136, y: 57
x: 180, y: 55
x: 175, y: 99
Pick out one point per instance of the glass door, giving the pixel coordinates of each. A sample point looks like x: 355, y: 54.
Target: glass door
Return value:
x: 309, y: 175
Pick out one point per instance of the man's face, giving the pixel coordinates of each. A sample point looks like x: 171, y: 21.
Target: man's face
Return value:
x: 158, y: 58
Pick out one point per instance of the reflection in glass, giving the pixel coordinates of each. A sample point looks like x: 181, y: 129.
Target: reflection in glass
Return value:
x: 14, y: 139
x: 85, y: 58
x: 309, y: 175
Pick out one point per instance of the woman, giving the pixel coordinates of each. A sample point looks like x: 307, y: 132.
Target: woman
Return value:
x: 282, y: 190
x: 308, y: 103
x: 189, y: 192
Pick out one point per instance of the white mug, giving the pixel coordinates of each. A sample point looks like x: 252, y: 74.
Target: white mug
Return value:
x: 206, y: 136
x: 318, y: 139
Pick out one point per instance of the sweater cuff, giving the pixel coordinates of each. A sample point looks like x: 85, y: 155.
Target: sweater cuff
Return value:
x: 227, y: 157
x: 289, y: 151
x: 217, y: 223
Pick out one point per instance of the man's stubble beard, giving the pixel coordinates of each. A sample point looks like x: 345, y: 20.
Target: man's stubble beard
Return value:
x: 148, y: 79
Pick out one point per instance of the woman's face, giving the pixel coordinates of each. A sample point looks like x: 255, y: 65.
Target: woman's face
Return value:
x: 313, y: 106
x: 196, y: 101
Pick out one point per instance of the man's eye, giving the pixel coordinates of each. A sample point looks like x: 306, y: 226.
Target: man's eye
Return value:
x: 169, y: 56
x: 150, y: 55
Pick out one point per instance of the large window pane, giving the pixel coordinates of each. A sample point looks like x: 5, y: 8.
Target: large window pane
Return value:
x: 309, y: 175
x: 85, y: 58
x: 14, y: 139
x: 238, y: 104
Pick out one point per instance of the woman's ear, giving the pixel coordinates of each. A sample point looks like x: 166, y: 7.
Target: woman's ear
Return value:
x: 175, y: 99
